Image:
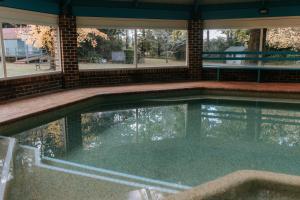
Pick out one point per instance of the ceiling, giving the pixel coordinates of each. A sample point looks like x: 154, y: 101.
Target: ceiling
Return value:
x: 188, y: 2
x: 161, y: 9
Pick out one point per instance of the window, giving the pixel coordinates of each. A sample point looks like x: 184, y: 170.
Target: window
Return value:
x: 161, y: 47
x: 135, y: 125
x: 261, y: 48
x: 282, y: 47
x: 229, y: 47
x: 105, y: 48
x: 131, y: 48
x: 49, y: 138
x: 29, y: 49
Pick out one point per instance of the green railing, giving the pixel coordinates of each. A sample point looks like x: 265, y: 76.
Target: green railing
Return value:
x: 264, y: 57
x: 261, y: 56
x: 255, y: 52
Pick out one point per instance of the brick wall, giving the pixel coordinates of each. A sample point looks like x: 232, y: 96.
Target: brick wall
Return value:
x: 68, y: 41
x: 123, y: 76
x: 115, y: 77
x: 266, y: 75
x: 290, y: 76
x: 238, y: 75
x: 195, y: 45
x: 20, y: 87
x: 209, y: 74
x: 73, y: 78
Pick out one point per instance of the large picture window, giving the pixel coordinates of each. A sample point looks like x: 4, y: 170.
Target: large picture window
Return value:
x: 160, y: 47
x: 29, y: 49
x: 252, y: 48
x: 131, y: 48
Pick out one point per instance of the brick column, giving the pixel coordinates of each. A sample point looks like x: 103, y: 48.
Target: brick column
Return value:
x: 195, y: 48
x: 68, y: 42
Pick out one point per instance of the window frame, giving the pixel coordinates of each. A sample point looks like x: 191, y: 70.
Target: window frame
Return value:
x: 134, y: 24
x: 32, y: 18
x: 251, y: 23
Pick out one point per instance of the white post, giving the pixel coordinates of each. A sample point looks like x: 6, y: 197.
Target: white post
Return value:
x: 58, y: 43
x: 2, y: 52
x: 135, y: 49
x: 26, y: 53
x: 261, y: 43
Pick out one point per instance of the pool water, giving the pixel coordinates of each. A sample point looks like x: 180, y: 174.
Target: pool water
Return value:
x: 182, y: 141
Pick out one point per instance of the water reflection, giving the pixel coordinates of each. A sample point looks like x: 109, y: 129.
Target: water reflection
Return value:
x: 188, y: 143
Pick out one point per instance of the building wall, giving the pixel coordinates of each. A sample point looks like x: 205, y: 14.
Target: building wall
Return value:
x: 118, y: 77
x: 266, y: 75
x: 29, y: 86
x: 71, y: 77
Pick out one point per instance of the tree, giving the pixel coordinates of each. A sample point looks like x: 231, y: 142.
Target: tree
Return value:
x: 41, y: 37
x: 90, y: 35
x: 284, y: 38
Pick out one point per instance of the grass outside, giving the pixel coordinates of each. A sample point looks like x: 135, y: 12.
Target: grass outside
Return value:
x: 149, y: 62
x: 28, y: 69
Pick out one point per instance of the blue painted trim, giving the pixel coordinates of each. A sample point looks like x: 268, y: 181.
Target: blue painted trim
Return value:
x: 250, y: 10
x: 253, y: 52
x: 159, y: 11
x: 279, y: 68
x: 184, y: 12
x: 131, y: 13
x: 43, y: 6
x: 254, y: 59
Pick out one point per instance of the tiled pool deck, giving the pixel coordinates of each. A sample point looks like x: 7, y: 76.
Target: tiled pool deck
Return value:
x: 19, y: 109
x: 228, y: 185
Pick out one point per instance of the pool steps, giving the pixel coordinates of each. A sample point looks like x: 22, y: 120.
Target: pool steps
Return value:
x: 61, y: 174
x: 7, y: 164
x: 151, y: 183
x: 52, y: 182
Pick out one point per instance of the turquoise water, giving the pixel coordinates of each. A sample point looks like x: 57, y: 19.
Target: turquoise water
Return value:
x: 185, y: 141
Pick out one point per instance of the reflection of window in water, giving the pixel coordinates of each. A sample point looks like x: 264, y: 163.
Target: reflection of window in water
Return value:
x: 49, y: 138
x: 251, y: 123
x: 280, y: 126
x: 133, y: 125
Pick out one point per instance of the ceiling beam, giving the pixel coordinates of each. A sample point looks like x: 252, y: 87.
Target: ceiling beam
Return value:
x: 135, y: 3
x: 196, y: 9
x: 65, y: 6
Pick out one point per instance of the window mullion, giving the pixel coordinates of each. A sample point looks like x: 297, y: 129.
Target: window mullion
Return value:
x: 2, y: 52
x: 135, y: 49
x: 261, y: 43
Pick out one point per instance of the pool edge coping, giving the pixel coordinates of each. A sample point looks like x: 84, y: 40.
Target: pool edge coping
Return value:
x: 92, y: 94
x: 232, y: 181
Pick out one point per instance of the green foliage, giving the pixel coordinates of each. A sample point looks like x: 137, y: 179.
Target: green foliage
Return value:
x: 162, y: 43
x: 129, y: 55
x: 104, y: 46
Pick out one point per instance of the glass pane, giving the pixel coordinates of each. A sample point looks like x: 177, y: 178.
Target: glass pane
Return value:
x: 30, y: 49
x: 224, y: 47
x: 283, y: 46
x: 105, y: 48
x: 161, y: 47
